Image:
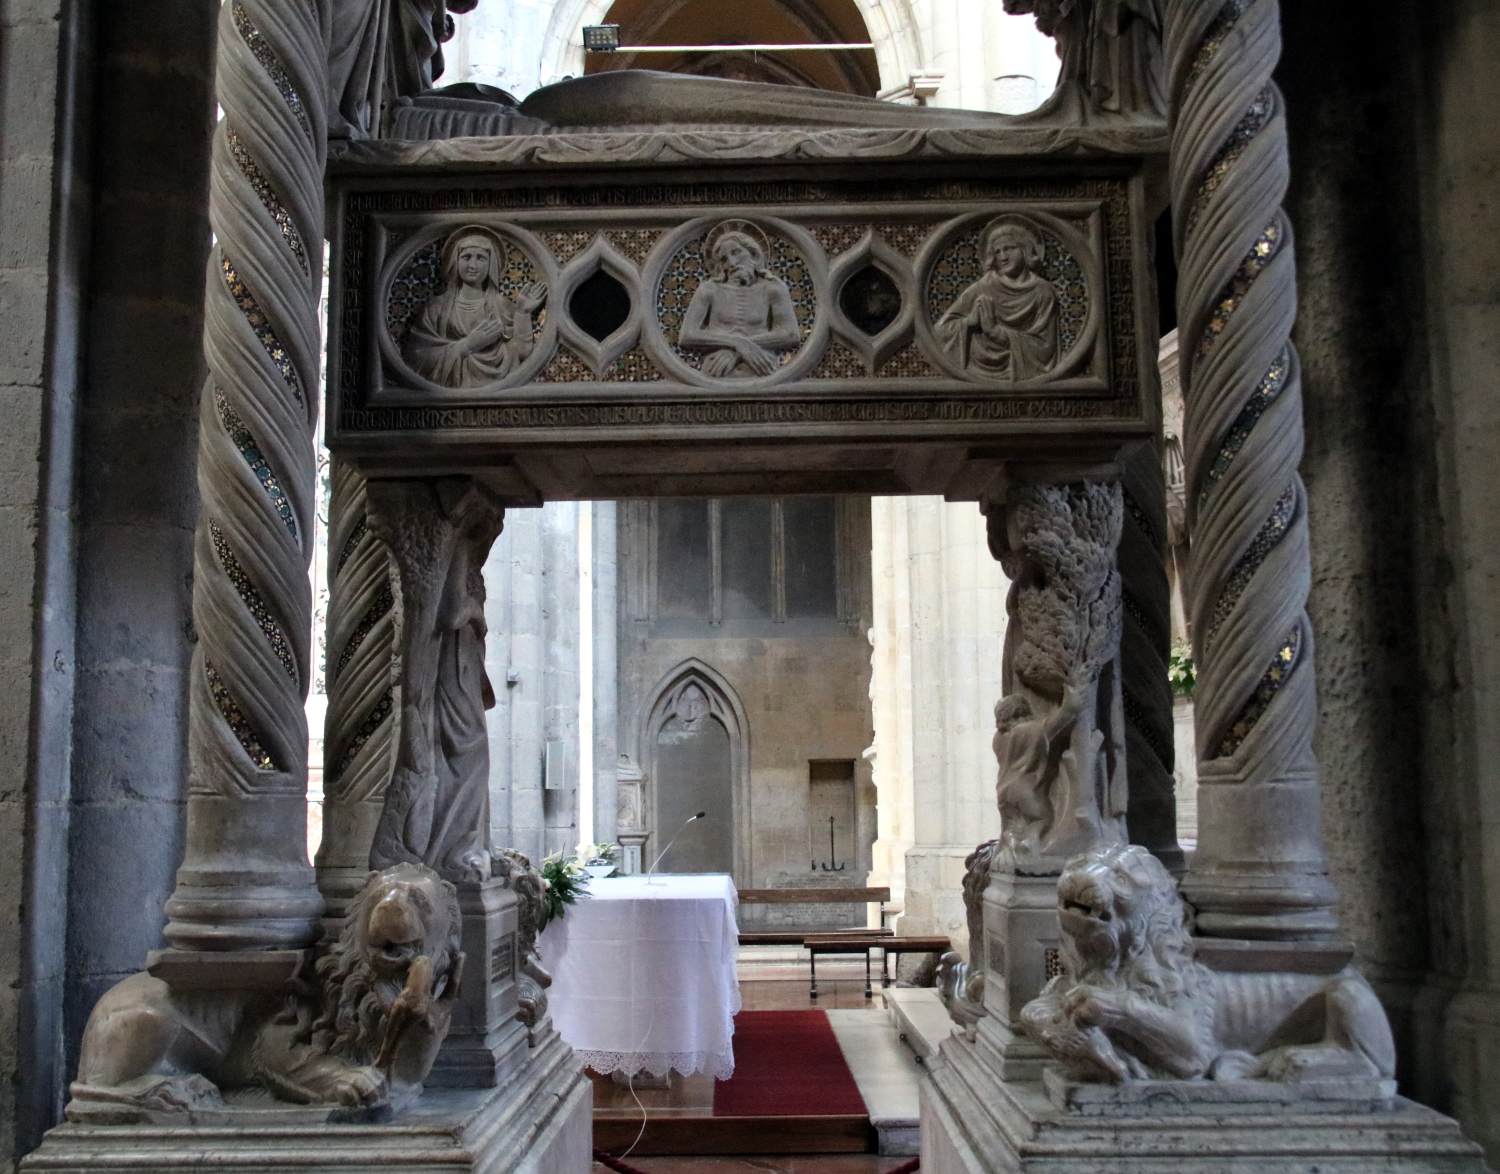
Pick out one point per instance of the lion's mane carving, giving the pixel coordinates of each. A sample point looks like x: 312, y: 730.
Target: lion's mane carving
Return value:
x: 533, y: 980
x: 1133, y: 1003
x: 364, y: 1033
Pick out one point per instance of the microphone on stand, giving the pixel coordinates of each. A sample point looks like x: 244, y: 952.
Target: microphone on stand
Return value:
x: 690, y: 819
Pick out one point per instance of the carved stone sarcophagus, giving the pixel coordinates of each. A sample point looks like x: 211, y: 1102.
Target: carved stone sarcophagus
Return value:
x: 604, y: 314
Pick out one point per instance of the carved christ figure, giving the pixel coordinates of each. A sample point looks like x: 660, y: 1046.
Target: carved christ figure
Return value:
x: 472, y: 333
x: 741, y: 314
x: 1004, y: 326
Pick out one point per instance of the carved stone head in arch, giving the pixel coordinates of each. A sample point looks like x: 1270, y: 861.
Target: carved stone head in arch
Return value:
x: 692, y: 706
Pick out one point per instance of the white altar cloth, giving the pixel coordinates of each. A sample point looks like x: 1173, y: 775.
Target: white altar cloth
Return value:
x: 643, y: 975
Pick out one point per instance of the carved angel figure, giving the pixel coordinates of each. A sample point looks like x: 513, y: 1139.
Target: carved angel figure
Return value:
x: 742, y: 314
x: 1004, y: 326
x: 472, y: 333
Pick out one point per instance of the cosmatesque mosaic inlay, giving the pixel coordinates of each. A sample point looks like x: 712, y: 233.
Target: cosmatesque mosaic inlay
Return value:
x: 1003, y: 302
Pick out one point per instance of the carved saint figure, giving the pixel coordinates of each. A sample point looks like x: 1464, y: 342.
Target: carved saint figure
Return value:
x: 380, y: 49
x: 1111, y: 54
x: 742, y: 314
x: 472, y: 333
x: 1004, y: 326
x: 436, y: 808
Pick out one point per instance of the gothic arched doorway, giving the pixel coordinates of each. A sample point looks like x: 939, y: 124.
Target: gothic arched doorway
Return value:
x: 695, y: 743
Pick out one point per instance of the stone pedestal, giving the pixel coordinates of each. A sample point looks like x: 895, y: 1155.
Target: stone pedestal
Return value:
x: 1020, y: 955
x: 973, y: 1123
x: 541, y: 1122
x: 486, y: 1043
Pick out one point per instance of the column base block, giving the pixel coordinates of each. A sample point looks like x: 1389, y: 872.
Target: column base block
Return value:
x: 486, y: 1043
x: 975, y: 1123
x: 539, y: 1123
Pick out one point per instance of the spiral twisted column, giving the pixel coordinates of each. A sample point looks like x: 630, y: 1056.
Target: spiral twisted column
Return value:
x: 1260, y: 870
x: 359, y: 735
x: 1145, y: 642
x: 245, y: 882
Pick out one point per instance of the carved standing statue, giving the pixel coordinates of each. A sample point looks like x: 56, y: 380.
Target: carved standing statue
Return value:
x: 1004, y: 326
x: 472, y: 333
x: 364, y: 1034
x: 1133, y: 1003
x: 437, y: 804
x: 1111, y: 54
x: 380, y: 50
x: 741, y: 314
x: 1060, y: 726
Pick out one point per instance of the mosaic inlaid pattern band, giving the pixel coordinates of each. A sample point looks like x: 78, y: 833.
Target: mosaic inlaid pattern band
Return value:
x: 252, y: 603
x: 1260, y: 870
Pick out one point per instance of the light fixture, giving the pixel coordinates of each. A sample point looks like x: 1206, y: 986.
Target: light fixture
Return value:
x: 601, y: 38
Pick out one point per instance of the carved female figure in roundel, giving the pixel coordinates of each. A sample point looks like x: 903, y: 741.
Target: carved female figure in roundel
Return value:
x: 472, y: 333
x: 741, y: 314
x: 1005, y: 325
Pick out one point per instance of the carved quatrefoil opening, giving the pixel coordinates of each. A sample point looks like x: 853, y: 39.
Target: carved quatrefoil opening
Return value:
x: 600, y: 305
x: 870, y: 299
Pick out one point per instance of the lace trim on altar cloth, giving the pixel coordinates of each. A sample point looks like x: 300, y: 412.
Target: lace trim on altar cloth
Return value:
x: 719, y: 1065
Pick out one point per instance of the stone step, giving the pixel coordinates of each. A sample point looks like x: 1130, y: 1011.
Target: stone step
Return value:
x: 920, y: 1019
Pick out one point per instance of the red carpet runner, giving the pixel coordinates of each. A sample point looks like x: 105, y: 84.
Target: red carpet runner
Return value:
x: 787, y: 1064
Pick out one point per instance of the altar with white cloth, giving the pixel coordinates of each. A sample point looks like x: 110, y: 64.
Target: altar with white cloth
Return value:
x: 643, y: 974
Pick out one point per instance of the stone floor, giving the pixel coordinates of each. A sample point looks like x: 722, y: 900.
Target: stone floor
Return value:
x: 788, y: 1164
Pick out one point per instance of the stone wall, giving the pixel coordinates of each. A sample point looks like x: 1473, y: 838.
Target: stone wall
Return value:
x: 1399, y: 313
x: 939, y: 631
x: 101, y: 273
x: 1458, y: 548
x: 137, y: 490
x: 46, y: 57
x: 531, y: 655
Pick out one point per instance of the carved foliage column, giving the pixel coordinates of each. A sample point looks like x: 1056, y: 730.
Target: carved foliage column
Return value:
x: 1059, y: 741
x: 245, y: 881
x: 1260, y: 869
x: 360, y: 731
x: 1059, y: 728
x: 436, y: 806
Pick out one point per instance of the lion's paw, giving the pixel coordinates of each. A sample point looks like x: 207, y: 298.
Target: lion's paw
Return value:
x: 357, y: 1087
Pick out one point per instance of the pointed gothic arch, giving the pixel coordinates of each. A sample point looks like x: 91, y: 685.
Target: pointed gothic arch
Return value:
x: 694, y: 685
x: 892, y: 24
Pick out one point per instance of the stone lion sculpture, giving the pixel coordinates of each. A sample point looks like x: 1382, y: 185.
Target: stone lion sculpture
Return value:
x: 1133, y: 1003
x: 362, y: 1035
x: 533, y: 980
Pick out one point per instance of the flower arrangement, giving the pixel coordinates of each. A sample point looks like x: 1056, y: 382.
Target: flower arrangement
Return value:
x: 598, y: 860
x: 563, y: 882
x: 1180, y: 671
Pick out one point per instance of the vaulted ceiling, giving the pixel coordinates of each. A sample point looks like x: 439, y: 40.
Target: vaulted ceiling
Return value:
x: 745, y: 22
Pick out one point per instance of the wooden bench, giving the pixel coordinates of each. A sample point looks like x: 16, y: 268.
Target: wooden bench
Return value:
x: 854, y: 943
x: 880, y: 895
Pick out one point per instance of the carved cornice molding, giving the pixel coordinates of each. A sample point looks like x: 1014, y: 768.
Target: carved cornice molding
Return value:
x: 634, y: 146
